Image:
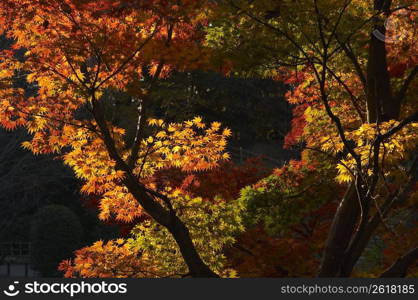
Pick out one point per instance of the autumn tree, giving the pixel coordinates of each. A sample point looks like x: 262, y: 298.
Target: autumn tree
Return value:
x: 353, y: 69
x: 82, y: 57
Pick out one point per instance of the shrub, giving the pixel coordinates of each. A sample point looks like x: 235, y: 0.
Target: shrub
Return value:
x: 55, y: 233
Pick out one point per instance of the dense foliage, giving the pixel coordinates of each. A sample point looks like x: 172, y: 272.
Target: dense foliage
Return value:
x: 109, y: 80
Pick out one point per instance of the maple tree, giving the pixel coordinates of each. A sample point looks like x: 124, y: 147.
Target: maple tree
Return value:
x: 352, y: 69
x: 79, y: 55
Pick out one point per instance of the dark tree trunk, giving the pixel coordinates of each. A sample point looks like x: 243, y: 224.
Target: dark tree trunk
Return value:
x: 181, y: 234
x: 381, y: 105
x: 342, y: 228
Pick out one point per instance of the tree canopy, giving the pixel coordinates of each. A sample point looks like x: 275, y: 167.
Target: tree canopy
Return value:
x: 107, y: 82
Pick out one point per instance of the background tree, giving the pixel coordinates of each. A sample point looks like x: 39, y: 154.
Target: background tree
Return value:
x: 237, y: 101
x: 55, y: 233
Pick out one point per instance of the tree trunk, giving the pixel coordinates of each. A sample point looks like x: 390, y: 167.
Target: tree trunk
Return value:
x: 182, y: 236
x: 381, y: 105
x: 342, y: 228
